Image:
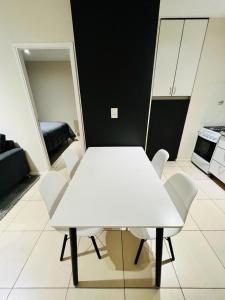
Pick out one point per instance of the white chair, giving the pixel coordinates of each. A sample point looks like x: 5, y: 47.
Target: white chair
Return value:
x: 52, y: 188
x: 159, y: 160
x: 71, y: 160
x: 182, y: 191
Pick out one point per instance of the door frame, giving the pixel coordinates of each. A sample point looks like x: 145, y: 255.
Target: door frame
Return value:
x: 70, y: 46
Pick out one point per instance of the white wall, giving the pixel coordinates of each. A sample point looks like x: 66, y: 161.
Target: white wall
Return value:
x: 191, y: 8
x: 214, y: 113
x: 208, y: 88
x: 22, y: 21
x: 52, y: 87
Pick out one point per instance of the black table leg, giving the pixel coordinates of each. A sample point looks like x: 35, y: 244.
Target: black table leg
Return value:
x: 73, y: 246
x: 159, y: 248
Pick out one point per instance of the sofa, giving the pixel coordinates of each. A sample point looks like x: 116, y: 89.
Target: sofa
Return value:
x: 13, y: 165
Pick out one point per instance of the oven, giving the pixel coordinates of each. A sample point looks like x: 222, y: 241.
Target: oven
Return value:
x: 204, y: 148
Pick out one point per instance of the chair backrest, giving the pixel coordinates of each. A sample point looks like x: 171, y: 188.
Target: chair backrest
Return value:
x: 159, y: 160
x: 71, y: 160
x: 52, y: 188
x: 182, y: 191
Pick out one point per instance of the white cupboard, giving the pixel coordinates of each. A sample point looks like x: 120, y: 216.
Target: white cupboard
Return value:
x: 168, y: 49
x: 179, y: 50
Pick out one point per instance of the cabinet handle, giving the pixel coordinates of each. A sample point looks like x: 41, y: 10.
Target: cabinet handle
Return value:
x: 170, y: 91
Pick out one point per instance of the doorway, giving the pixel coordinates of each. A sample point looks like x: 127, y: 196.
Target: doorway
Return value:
x: 50, y: 77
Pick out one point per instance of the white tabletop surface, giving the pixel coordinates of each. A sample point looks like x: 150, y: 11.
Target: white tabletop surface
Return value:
x: 115, y: 187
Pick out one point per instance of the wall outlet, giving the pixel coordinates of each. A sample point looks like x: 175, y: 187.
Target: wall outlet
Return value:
x: 114, y: 113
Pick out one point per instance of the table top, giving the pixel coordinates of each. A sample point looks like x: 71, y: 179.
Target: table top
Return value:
x: 115, y: 187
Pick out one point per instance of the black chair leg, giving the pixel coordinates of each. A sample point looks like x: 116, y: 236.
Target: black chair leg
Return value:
x: 139, y: 251
x: 63, y: 246
x: 171, y: 248
x: 95, y: 246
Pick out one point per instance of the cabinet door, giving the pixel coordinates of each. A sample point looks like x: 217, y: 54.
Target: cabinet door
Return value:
x: 168, y: 48
x: 166, y: 125
x: 190, y: 51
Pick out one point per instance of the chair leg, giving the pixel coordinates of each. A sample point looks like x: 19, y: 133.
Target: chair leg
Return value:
x: 139, y: 251
x: 63, y: 246
x: 95, y: 246
x: 171, y: 248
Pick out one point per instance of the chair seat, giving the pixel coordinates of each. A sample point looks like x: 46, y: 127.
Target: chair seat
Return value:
x: 150, y: 233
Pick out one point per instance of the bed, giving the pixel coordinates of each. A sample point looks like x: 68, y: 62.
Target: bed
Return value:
x: 55, y: 134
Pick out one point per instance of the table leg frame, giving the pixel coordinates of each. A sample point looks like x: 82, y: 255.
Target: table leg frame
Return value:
x: 159, y: 249
x: 73, y: 246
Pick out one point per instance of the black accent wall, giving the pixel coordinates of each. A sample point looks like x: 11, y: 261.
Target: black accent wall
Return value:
x: 115, y: 45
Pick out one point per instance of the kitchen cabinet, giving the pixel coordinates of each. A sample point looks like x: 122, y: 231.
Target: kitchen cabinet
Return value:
x: 166, y: 125
x: 167, y: 54
x: 179, y: 50
x: 217, y: 164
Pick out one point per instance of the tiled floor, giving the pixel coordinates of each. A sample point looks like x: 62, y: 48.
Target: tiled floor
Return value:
x: 30, y: 267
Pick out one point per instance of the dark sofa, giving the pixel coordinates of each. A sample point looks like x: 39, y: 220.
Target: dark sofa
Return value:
x: 13, y: 165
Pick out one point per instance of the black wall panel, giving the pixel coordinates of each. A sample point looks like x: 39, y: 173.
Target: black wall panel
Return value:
x: 115, y: 44
x: 167, y: 119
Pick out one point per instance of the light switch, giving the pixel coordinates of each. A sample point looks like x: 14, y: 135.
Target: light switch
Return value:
x: 114, y: 112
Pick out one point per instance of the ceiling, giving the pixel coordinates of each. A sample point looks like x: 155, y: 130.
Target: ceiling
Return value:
x: 192, y: 8
x: 47, y: 55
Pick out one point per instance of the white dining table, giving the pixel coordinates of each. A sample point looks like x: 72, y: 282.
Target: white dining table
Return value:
x: 116, y: 187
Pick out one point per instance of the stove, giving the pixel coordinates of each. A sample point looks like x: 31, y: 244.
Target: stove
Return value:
x: 216, y: 128
x: 206, y: 143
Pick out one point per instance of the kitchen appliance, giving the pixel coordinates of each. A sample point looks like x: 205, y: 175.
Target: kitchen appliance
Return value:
x: 205, y: 146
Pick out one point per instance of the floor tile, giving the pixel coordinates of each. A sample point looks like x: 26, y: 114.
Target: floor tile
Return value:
x: 190, y: 224
x: 4, y: 223
x: 44, y: 269
x: 169, y: 171
x: 207, y: 215
x: 154, y: 294
x: 64, y: 173
x: 220, y: 204
x: 204, y: 294
x: 212, y: 189
x: 37, y: 294
x: 15, y: 248
x: 184, y: 163
x: 195, y: 173
x: 217, y: 240
x: 143, y: 274
x: 36, y: 197
x: 95, y: 294
x: 49, y: 227
x: 30, y: 192
x: 33, y: 216
x: 4, y: 293
x: 171, y: 163
x: 201, y: 195
x: 106, y: 272
x: 196, y: 265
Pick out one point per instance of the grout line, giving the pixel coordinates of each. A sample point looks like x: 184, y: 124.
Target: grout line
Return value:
x: 218, y: 205
x: 194, y: 222
x: 25, y: 262
x: 168, y: 252
x: 41, y: 232
x: 214, y: 251
x: 5, y: 229
x: 67, y: 290
x: 121, y: 236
